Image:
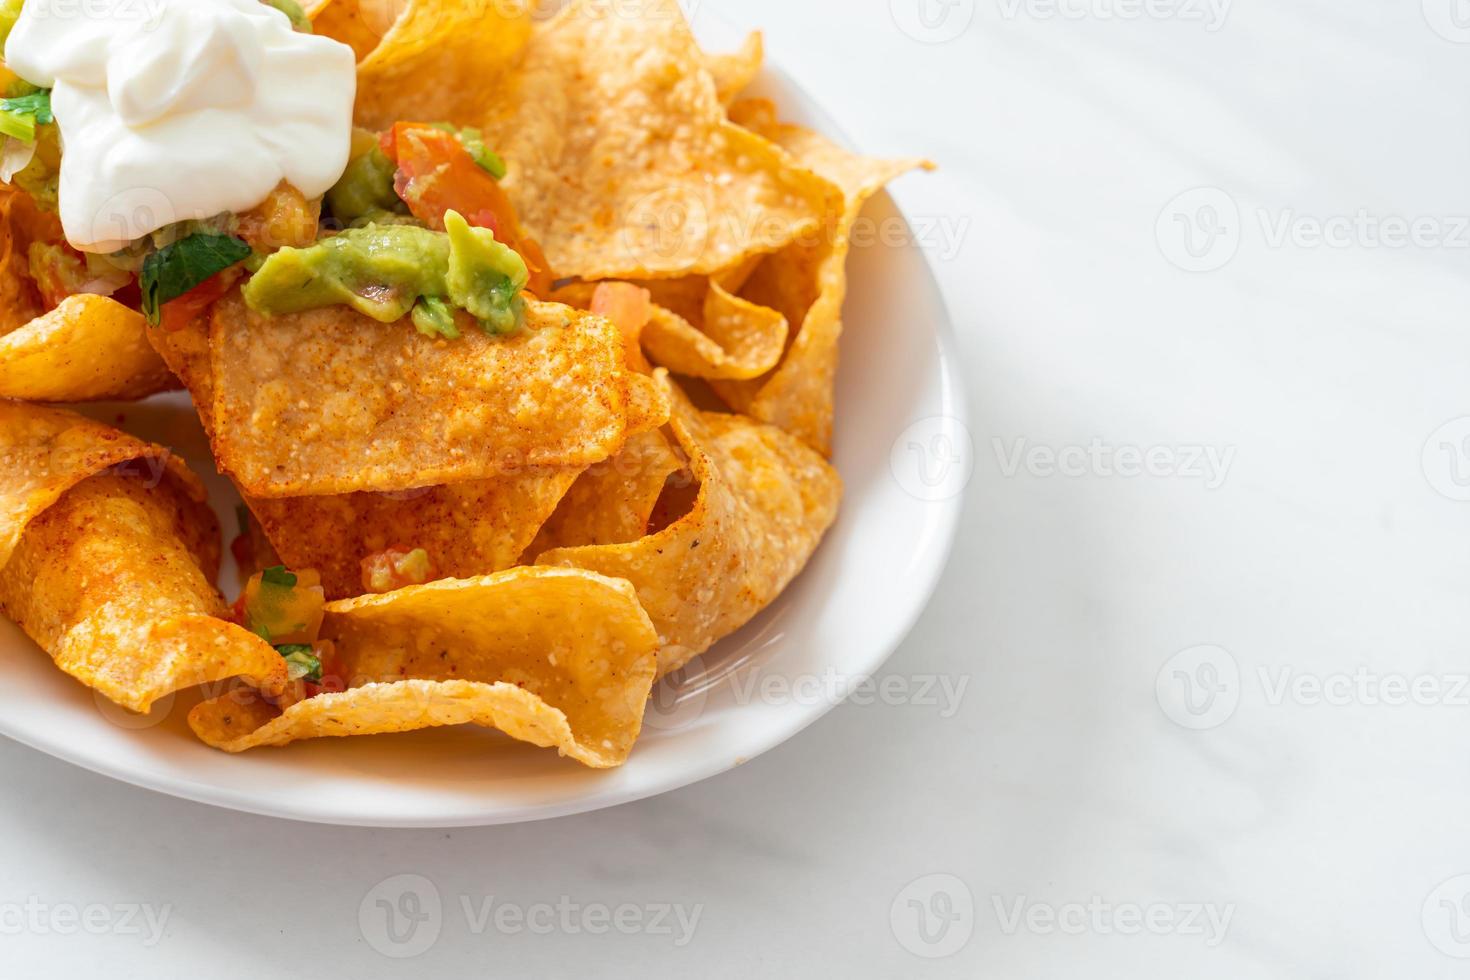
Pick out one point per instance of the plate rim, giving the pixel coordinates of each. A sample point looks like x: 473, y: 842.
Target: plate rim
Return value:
x: 953, y: 403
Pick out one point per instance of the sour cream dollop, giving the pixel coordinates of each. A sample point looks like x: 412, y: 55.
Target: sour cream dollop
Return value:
x: 173, y: 110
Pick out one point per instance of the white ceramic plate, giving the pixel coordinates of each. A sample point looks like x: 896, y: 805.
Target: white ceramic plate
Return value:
x: 899, y: 437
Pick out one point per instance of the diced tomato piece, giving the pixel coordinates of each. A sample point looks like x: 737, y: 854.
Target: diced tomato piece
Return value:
x: 436, y: 174
x: 179, y: 313
x: 242, y: 547
x: 629, y: 307
x: 130, y: 295
x: 238, y: 615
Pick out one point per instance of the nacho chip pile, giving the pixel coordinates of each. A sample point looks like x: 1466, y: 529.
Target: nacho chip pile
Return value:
x: 518, y: 529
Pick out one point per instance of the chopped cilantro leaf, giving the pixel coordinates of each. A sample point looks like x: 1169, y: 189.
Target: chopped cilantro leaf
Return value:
x: 300, y: 662
x: 474, y: 142
x: 278, y: 575
x: 37, y: 105
x: 490, y: 161
x: 175, y: 269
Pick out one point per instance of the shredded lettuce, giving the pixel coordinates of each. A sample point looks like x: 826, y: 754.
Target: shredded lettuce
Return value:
x: 20, y: 115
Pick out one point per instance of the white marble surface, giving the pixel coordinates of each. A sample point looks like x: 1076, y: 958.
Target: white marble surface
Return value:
x: 1322, y: 547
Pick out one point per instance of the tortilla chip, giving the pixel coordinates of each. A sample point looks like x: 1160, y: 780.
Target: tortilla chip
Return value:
x: 468, y: 529
x: 565, y: 659
x: 648, y: 402
x: 687, y: 295
x: 622, y: 163
x: 109, y: 552
x: 44, y: 452
x: 734, y: 339
x: 358, y: 25
x: 331, y: 401
x: 757, y: 115
x: 807, y: 282
x: 20, y: 222
x: 611, y: 502
x: 186, y: 352
x: 734, y: 72
x: 700, y: 329
x: 764, y: 503
x: 439, y: 59
x: 90, y: 348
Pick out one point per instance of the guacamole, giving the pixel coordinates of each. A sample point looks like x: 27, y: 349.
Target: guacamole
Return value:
x: 389, y: 271
x: 366, y: 186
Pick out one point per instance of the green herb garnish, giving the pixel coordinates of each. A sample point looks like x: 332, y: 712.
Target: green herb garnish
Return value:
x: 489, y: 161
x: 277, y: 575
x: 175, y: 269
x: 36, y: 104
x: 300, y: 662
x: 474, y: 143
